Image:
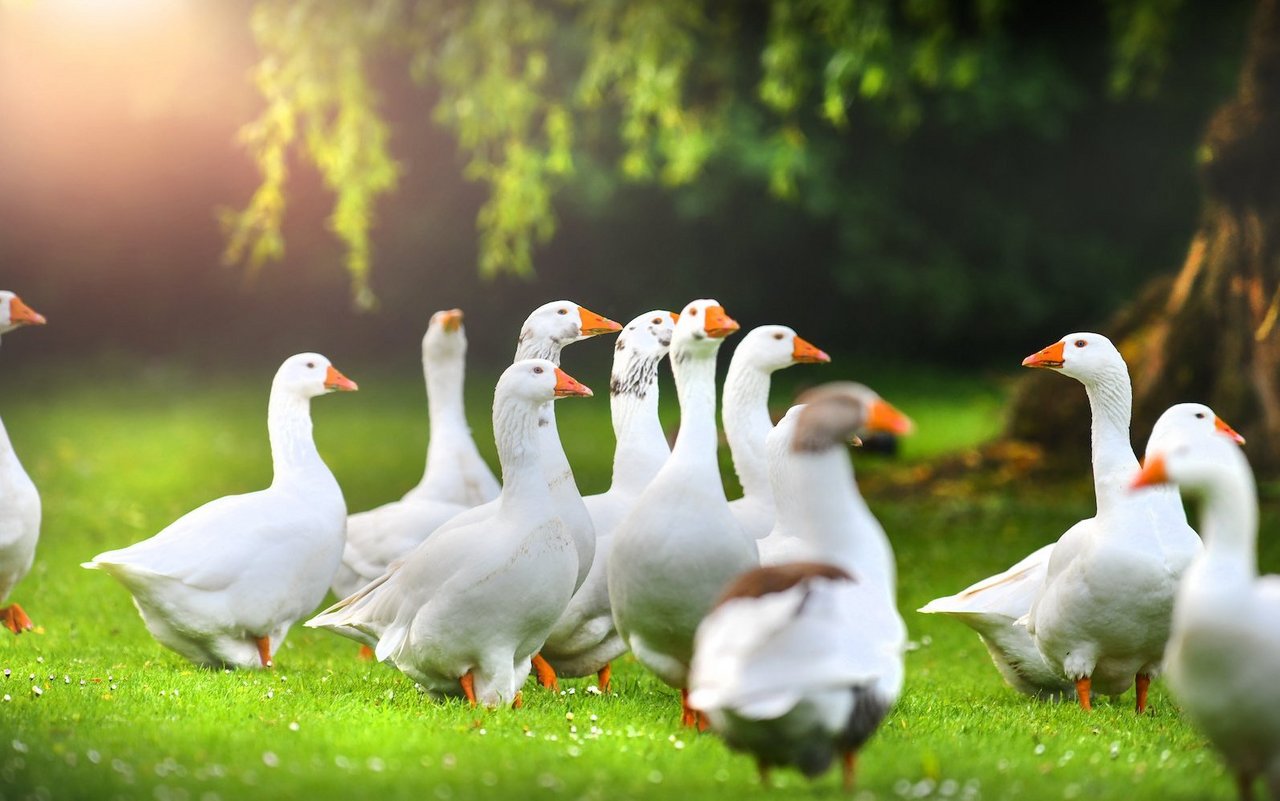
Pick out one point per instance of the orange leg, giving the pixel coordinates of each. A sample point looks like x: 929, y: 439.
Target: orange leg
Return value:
x: 688, y: 716
x: 264, y: 651
x: 701, y: 720
x: 546, y: 673
x: 1142, y: 682
x: 468, y: 683
x: 602, y: 678
x: 1082, y: 692
x: 519, y: 702
x: 14, y: 619
x: 366, y: 653
x: 848, y: 765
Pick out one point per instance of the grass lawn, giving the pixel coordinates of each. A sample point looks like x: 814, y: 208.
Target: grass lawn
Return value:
x: 93, y: 708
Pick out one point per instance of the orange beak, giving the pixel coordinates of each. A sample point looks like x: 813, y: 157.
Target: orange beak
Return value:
x: 22, y: 314
x: 675, y: 317
x: 883, y: 417
x: 802, y: 351
x: 335, y: 380
x: 718, y: 324
x: 1221, y: 426
x: 593, y: 324
x: 1049, y: 357
x: 1151, y: 474
x: 451, y: 319
x: 568, y: 386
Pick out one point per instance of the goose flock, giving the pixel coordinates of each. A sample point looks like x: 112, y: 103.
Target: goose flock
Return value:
x: 775, y: 615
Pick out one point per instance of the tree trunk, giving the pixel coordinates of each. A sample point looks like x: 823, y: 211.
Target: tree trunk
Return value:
x: 1211, y: 334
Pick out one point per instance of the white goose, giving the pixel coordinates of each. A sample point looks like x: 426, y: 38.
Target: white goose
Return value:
x: 1224, y: 651
x: 19, y: 500
x: 455, y: 477
x: 788, y: 541
x: 584, y: 640
x: 223, y: 583
x: 994, y: 606
x: 680, y: 545
x: 467, y: 609
x: 1101, y: 617
x: 761, y: 353
x: 801, y: 661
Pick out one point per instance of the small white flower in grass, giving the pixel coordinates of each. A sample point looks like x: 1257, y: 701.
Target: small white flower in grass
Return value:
x: 902, y: 787
x: 293, y: 726
x: 1115, y: 749
x: 1071, y: 791
x: 679, y: 744
x: 83, y: 682
x: 271, y: 694
x: 113, y: 687
x: 568, y: 716
x: 35, y: 688
x: 594, y: 690
x: 923, y: 788
x: 20, y: 746
x: 572, y: 690
x: 949, y: 787
x: 1039, y: 749
x: 654, y: 777
x: 270, y: 759
x: 448, y: 761
x: 93, y: 756
x: 39, y: 660
x: 66, y: 679
x: 32, y: 677
x: 482, y: 731
x: 375, y: 764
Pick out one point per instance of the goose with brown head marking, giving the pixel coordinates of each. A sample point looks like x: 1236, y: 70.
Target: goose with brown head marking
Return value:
x: 455, y: 477
x: 799, y: 662
x: 1224, y: 652
x: 223, y: 584
x: 19, y: 500
x: 465, y: 612
x: 584, y: 640
x: 679, y: 545
x: 760, y: 354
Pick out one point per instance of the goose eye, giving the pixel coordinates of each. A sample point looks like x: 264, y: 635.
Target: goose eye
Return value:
x: 1080, y: 343
x: 778, y: 335
x: 693, y: 311
x: 1199, y: 415
x: 563, y: 311
x: 657, y: 321
x: 537, y: 370
x: 311, y: 365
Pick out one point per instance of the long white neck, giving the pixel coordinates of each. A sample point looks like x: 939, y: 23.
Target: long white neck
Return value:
x: 293, y: 448
x: 555, y: 465
x: 515, y: 426
x: 696, y: 443
x: 642, y: 446
x: 450, y: 439
x: 1114, y: 463
x: 1229, y: 525
x: 836, y: 521
x: 747, y: 424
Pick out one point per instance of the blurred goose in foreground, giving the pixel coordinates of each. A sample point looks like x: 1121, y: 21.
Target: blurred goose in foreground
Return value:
x: 761, y: 353
x: 584, y: 640
x: 464, y: 613
x: 799, y: 662
x: 455, y: 478
x: 680, y: 545
x: 19, y: 500
x: 1224, y: 651
x: 223, y: 583
x: 993, y: 607
x: 1101, y: 617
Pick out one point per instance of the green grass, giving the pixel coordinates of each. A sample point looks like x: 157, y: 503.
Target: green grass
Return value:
x: 118, y: 456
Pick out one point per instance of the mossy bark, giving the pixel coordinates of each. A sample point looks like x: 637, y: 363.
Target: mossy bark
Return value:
x: 1212, y: 332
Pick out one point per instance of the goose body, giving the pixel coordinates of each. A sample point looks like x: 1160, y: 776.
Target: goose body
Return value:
x: 19, y: 499
x: 1224, y: 652
x: 761, y: 353
x: 455, y: 477
x: 465, y: 611
x: 584, y: 641
x: 1101, y: 617
x: 222, y: 585
x: 680, y: 545
x: 800, y: 661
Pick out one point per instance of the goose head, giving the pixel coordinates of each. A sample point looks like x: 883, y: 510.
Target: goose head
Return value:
x: 310, y: 374
x: 445, y: 336
x: 833, y: 413
x: 14, y: 313
x: 702, y: 326
x: 1197, y: 463
x: 1085, y: 356
x: 773, y: 347
x: 537, y: 381
x: 640, y: 347
x: 556, y: 324
x: 1188, y: 420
